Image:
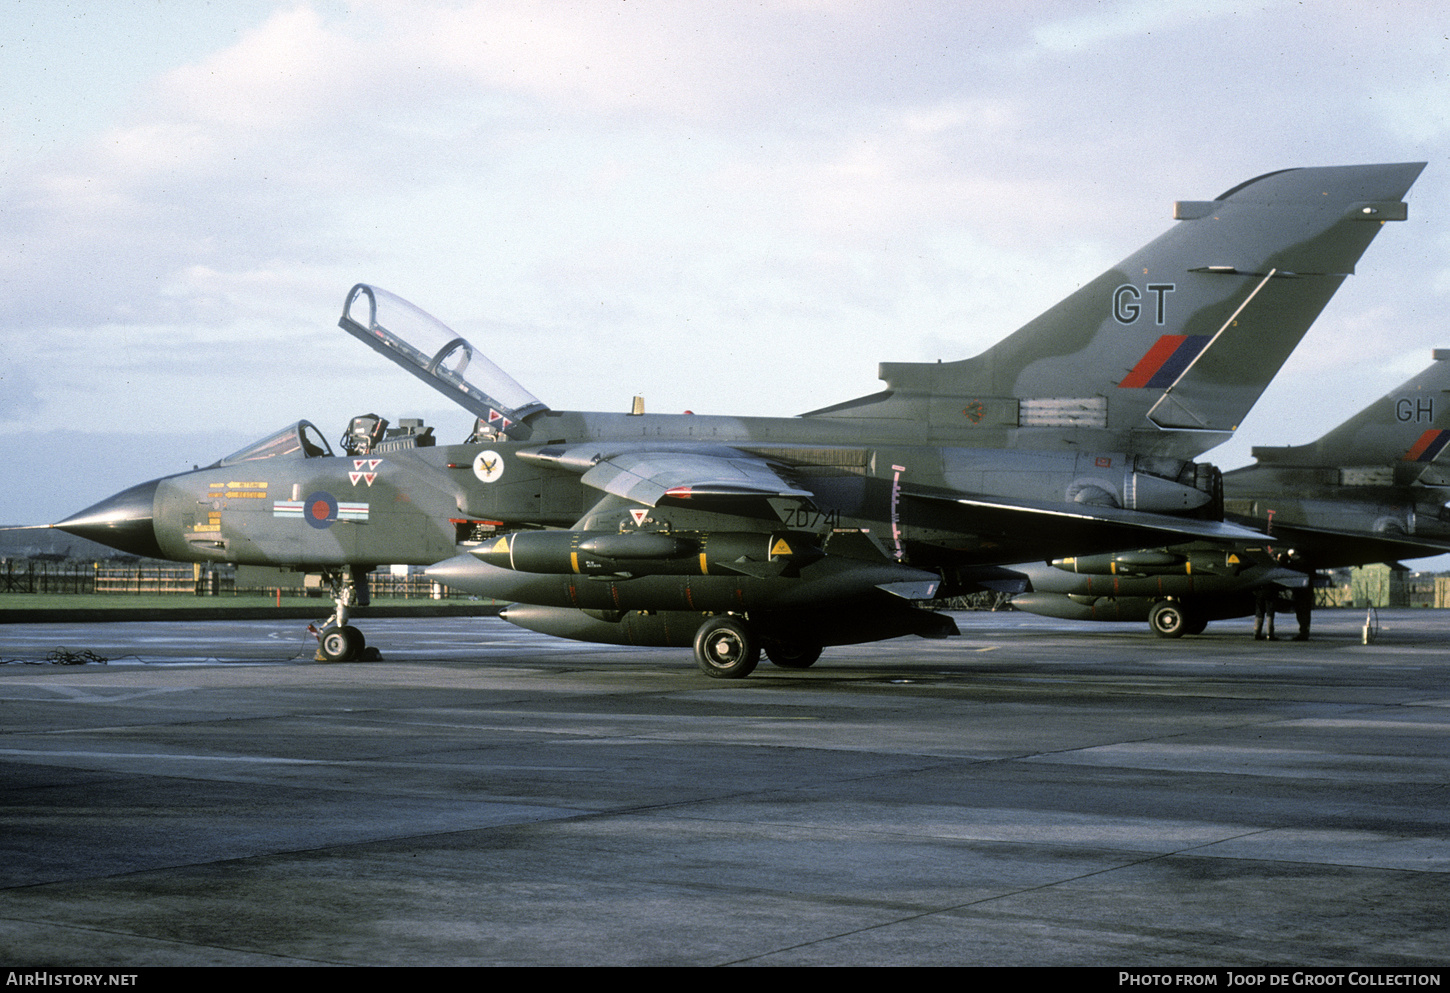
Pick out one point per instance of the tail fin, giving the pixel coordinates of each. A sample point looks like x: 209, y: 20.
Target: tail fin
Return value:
x: 1166, y: 352
x: 1401, y: 438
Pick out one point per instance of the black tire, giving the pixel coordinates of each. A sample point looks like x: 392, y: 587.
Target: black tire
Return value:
x: 1196, y: 624
x: 1168, y: 619
x: 726, y: 649
x: 341, y: 644
x: 792, y: 654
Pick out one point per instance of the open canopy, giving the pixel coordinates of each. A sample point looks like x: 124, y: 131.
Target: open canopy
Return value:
x: 429, y: 349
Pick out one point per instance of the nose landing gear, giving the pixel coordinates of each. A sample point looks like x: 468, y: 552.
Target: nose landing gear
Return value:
x: 340, y: 644
x: 337, y: 640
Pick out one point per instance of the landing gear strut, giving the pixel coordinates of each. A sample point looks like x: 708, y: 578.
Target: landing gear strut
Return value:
x: 339, y: 641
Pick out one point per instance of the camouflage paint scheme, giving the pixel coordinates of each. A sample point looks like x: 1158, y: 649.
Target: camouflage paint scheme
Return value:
x: 1074, y: 435
x: 1371, y: 490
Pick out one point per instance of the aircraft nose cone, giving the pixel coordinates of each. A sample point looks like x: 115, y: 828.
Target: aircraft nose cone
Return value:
x: 123, y: 521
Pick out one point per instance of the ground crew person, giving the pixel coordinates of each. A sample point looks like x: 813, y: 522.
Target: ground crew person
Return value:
x: 1304, y: 607
x: 1265, y: 599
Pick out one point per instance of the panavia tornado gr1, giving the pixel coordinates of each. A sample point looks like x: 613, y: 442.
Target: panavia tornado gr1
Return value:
x: 1075, y: 435
x: 1374, y: 489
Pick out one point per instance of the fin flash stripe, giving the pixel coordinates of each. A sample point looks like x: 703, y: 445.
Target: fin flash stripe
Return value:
x: 1428, y: 446
x: 1165, y: 361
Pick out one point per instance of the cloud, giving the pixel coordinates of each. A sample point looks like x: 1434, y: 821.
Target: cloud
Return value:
x: 690, y: 61
x: 19, y: 394
x: 289, y: 71
x: 1112, y: 23
x: 735, y: 208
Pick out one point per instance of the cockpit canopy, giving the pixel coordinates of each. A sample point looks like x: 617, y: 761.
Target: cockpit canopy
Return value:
x: 300, y: 440
x: 429, y: 349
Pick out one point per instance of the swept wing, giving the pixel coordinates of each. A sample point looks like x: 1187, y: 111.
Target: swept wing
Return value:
x: 648, y: 475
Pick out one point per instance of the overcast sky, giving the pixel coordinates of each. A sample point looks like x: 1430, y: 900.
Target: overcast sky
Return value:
x: 735, y: 208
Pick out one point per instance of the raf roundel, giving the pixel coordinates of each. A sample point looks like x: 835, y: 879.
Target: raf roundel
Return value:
x: 488, y: 466
x: 320, y: 509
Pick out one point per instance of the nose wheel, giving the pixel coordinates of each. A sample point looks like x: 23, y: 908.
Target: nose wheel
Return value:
x: 339, y: 641
x: 342, y: 644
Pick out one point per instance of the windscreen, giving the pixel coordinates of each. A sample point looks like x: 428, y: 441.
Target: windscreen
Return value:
x: 300, y: 440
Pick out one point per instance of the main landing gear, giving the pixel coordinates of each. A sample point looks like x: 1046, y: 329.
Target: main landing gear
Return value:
x: 1171, y: 619
x: 727, y: 648
x: 339, y: 641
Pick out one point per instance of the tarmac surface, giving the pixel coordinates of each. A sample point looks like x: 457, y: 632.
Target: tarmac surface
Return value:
x: 1034, y: 792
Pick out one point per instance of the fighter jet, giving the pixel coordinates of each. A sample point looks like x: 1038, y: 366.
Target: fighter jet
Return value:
x: 1371, y: 490
x: 1074, y: 435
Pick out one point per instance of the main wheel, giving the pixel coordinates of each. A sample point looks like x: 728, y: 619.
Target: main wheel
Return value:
x: 341, y: 644
x: 726, y: 649
x: 1168, y: 619
x: 792, y: 654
